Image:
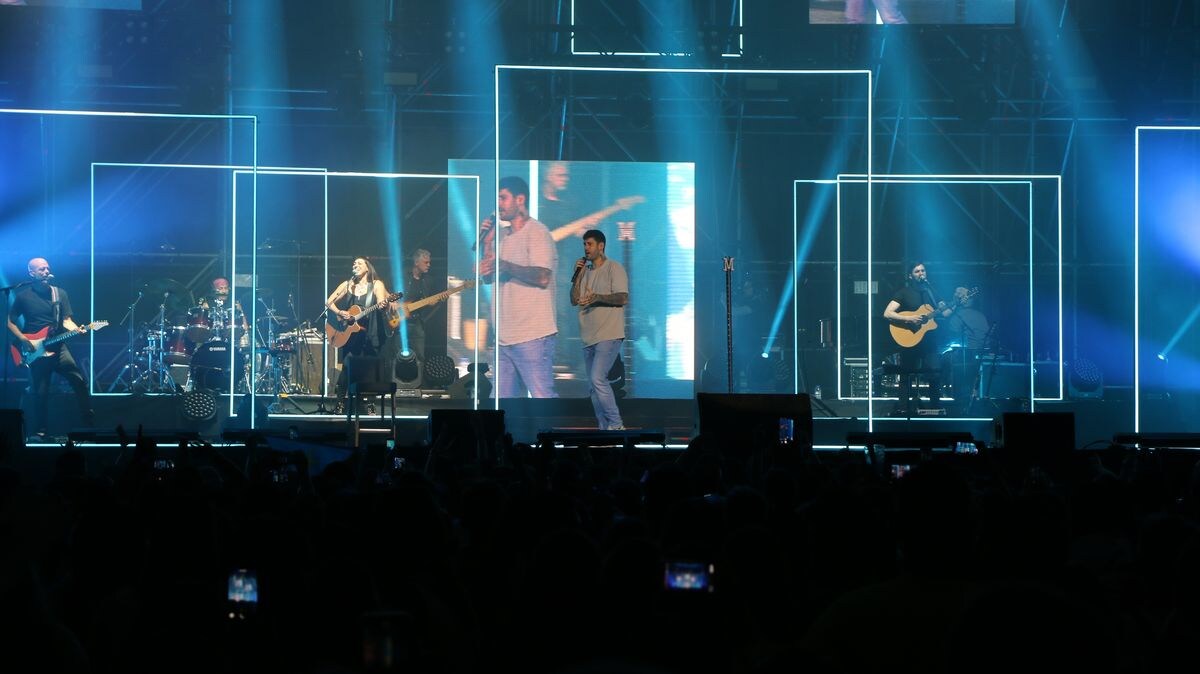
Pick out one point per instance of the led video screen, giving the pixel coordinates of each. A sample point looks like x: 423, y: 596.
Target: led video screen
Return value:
x: 646, y: 212
x: 939, y: 12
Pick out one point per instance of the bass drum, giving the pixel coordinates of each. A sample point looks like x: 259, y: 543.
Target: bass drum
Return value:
x: 210, y: 367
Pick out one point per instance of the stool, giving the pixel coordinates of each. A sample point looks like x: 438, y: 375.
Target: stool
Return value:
x: 367, y: 375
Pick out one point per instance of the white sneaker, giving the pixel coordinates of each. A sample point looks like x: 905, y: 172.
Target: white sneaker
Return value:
x: 618, y: 427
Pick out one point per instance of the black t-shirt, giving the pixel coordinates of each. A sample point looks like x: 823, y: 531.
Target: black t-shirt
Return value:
x: 418, y: 289
x: 35, y: 304
x: 911, y: 299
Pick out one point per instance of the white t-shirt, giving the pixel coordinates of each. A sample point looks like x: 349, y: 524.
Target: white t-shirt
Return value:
x: 528, y: 311
x: 601, y: 323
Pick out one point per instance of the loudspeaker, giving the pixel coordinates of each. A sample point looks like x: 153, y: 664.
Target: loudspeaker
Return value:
x: 12, y: 433
x: 1003, y: 380
x: 1035, y: 432
x: 738, y: 419
x: 472, y: 433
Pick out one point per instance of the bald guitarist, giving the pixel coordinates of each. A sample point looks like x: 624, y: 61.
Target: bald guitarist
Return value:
x: 44, y: 311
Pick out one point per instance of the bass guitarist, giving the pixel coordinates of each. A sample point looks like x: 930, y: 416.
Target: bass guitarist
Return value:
x: 359, y: 295
x: 43, y: 307
x: 912, y: 307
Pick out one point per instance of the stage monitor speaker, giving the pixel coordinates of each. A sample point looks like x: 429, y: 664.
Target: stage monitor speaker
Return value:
x: 1035, y: 432
x: 12, y: 433
x: 999, y: 381
x: 738, y: 419
x: 473, y: 434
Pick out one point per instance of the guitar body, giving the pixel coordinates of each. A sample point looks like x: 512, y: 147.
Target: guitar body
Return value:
x: 41, y: 343
x: 908, y: 335
x: 339, y: 331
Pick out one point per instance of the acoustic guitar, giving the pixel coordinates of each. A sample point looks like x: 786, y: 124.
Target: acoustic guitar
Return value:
x: 909, y: 335
x: 339, y: 331
x: 41, y: 343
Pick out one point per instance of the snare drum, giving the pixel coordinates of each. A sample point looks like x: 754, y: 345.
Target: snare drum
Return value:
x: 199, y: 327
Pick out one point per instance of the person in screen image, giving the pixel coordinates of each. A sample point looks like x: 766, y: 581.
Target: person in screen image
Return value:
x: 857, y: 12
x: 525, y: 271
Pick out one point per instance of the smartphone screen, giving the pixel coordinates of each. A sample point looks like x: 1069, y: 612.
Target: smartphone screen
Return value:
x: 688, y: 576
x: 243, y: 587
x: 787, y: 429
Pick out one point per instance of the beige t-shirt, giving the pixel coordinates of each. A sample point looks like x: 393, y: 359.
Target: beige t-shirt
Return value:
x: 601, y: 323
x: 527, y: 311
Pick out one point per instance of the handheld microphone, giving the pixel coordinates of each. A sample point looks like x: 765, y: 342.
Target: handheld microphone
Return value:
x: 49, y: 276
x: 579, y: 269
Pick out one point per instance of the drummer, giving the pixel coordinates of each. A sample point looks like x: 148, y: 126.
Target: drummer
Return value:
x: 216, y: 304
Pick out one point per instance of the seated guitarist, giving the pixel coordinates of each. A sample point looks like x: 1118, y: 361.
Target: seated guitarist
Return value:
x: 41, y: 306
x: 363, y: 290
x: 903, y: 309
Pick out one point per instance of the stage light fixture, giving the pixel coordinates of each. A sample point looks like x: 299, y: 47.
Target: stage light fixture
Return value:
x: 464, y: 387
x: 440, y: 371
x: 199, y: 405
x: 1086, y: 380
x: 408, y: 371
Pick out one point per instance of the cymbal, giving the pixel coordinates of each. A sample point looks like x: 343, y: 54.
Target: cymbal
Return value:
x: 169, y: 292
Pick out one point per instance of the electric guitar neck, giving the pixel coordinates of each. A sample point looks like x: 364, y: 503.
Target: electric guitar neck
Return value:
x: 578, y: 227
x: 41, y: 343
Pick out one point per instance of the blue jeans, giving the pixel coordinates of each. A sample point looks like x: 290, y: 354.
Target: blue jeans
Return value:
x: 598, y: 360
x: 527, y: 367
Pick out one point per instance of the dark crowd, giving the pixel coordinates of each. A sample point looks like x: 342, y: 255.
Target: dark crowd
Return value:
x: 500, y: 556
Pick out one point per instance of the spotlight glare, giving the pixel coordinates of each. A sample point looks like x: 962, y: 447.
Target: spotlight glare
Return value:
x: 766, y: 355
x: 1162, y: 357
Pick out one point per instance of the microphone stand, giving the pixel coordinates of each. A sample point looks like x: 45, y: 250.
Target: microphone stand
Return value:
x: 129, y: 364
x: 729, y: 323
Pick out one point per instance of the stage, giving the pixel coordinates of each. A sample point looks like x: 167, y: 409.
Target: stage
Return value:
x: 306, y: 416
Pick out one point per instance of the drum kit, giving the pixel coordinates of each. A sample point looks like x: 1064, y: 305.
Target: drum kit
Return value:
x: 206, y: 345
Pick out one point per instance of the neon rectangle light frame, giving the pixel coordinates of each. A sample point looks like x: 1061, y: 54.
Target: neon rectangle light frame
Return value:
x: 234, y: 169
x: 326, y: 175
x: 237, y: 170
x: 252, y: 119
x: 741, y: 23
x: 1137, y: 261
x: 931, y: 179
x: 868, y: 176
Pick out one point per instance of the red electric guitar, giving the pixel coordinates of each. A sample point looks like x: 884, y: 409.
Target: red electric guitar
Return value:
x: 40, y: 342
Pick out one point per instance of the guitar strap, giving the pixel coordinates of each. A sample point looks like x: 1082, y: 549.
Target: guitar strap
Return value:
x: 56, y: 305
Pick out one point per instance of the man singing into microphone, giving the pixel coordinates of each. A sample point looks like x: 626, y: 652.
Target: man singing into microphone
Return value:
x: 524, y: 273
x: 40, y: 305
x: 922, y: 357
x: 601, y: 293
